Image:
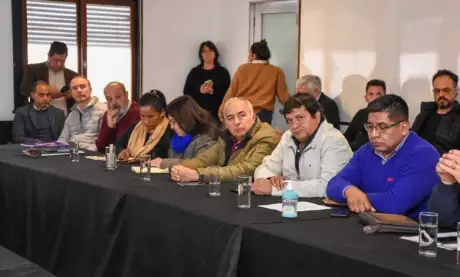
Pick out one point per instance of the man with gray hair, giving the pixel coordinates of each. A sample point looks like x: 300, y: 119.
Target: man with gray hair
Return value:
x: 312, y: 84
x: 238, y: 152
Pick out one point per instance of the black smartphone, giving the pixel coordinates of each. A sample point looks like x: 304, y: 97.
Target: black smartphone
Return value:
x: 236, y: 191
x: 340, y: 212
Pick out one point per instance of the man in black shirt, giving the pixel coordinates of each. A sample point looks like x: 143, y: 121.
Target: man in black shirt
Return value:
x: 439, y: 121
x: 356, y: 134
x: 312, y: 84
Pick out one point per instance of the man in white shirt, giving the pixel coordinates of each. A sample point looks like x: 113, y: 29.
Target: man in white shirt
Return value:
x: 54, y: 73
x: 310, y: 153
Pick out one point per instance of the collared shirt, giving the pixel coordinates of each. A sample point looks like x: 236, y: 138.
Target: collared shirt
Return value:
x: 123, y: 112
x: 56, y: 80
x: 385, y: 160
x: 259, y: 61
x: 40, y: 109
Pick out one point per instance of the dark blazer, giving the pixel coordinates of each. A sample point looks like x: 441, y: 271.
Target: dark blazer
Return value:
x: 39, y: 72
x: 330, y: 110
x: 24, y: 123
x: 448, y: 132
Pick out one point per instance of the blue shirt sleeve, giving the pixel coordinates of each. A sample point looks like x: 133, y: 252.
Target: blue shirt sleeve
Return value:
x: 417, y: 180
x: 348, y: 176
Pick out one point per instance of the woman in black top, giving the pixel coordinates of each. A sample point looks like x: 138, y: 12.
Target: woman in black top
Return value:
x: 208, y: 82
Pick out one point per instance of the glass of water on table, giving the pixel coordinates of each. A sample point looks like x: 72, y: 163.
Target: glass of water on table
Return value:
x: 244, y: 192
x: 214, y: 181
x: 428, y: 234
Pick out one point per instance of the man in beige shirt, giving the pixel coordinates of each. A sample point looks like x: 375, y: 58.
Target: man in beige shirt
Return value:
x: 54, y: 73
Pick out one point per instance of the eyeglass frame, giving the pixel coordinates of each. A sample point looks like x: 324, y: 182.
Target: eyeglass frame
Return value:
x: 381, y: 130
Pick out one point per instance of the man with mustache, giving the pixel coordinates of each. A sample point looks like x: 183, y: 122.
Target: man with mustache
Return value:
x: 121, y: 114
x: 439, y: 121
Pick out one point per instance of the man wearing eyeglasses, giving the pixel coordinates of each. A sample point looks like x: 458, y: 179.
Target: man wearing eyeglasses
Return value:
x: 309, y: 154
x: 439, y: 121
x: 395, y: 172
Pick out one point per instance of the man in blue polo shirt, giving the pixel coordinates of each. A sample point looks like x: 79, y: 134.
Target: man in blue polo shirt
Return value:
x: 393, y: 173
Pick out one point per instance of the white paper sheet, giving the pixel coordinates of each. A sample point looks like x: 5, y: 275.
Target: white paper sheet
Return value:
x: 447, y: 246
x: 96, y: 158
x: 302, y: 206
x: 153, y: 170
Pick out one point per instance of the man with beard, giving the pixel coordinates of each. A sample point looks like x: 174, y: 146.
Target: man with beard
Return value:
x: 121, y: 114
x: 439, y: 121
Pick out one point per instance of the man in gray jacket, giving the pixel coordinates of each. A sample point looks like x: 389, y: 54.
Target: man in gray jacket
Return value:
x: 309, y: 154
x: 84, y: 121
x: 38, y: 121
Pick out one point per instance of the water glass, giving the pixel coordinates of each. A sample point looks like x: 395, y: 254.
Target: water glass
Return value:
x: 145, y: 167
x: 74, y: 148
x: 428, y: 234
x: 214, y: 181
x: 244, y: 192
x: 110, y: 158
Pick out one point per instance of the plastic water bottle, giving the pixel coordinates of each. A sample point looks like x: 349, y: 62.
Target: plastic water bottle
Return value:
x: 290, y: 199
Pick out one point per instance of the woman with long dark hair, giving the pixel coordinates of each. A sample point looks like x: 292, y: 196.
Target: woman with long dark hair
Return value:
x: 208, y: 82
x: 259, y: 82
x: 194, y: 131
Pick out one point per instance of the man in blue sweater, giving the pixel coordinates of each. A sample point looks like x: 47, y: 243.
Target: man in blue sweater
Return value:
x: 445, y: 199
x: 393, y: 173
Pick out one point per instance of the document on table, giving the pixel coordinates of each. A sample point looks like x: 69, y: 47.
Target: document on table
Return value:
x: 451, y: 245
x: 154, y: 170
x: 96, y: 158
x: 302, y: 206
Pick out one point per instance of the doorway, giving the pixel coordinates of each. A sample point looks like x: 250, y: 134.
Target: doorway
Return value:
x: 277, y: 23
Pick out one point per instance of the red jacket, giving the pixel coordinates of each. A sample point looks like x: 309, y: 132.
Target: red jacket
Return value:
x: 111, y: 135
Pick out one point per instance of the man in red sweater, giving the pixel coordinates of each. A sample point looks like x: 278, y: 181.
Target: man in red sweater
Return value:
x: 121, y: 114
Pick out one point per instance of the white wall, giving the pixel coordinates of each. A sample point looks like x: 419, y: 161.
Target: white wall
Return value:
x: 6, y: 66
x: 402, y: 42
x: 173, y: 31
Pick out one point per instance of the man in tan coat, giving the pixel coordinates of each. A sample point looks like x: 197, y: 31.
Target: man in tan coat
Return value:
x: 238, y: 152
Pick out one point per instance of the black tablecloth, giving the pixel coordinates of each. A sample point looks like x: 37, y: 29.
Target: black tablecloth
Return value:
x: 76, y: 219
x: 11, y: 265
x: 335, y: 247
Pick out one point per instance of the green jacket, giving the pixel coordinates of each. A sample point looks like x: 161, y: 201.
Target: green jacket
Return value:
x: 260, y: 142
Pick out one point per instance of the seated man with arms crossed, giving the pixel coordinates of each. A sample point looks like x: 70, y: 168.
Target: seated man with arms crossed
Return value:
x: 445, y: 198
x: 121, y: 114
x: 84, y: 121
x: 395, y: 172
x: 38, y: 121
x: 309, y: 154
x: 239, y: 151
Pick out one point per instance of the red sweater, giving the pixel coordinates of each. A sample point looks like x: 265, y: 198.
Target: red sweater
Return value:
x: 111, y: 135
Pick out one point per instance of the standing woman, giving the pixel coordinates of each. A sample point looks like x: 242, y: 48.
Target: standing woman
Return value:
x: 208, y: 82
x: 258, y: 82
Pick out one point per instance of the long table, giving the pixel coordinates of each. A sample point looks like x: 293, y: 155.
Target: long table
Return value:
x: 76, y: 219
x: 11, y: 265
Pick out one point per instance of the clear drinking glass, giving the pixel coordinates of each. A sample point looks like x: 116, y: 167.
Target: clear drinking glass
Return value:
x: 428, y: 234
x: 214, y: 181
x: 244, y: 192
x: 145, y: 167
x: 74, y: 148
x: 110, y: 158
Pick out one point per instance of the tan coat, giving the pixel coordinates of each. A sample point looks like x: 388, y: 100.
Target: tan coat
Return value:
x: 262, y: 140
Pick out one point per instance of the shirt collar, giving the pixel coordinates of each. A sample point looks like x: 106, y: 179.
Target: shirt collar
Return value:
x: 259, y: 61
x: 50, y: 70
x: 393, y: 153
x: 41, y: 109
x: 310, y: 140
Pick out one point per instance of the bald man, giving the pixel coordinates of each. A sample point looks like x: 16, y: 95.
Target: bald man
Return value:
x: 238, y: 152
x: 121, y: 114
x: 84, y: 121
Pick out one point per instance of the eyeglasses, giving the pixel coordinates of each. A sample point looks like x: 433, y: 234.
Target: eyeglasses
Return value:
x: 380, y: 128
x: 444, y: 90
